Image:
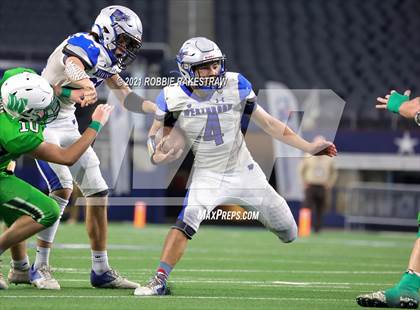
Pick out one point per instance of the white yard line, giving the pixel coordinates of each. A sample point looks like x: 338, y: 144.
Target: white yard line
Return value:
x: 146, y: 270
x: 249, y: 260
x: 312, y: 299
x: 335, y: 285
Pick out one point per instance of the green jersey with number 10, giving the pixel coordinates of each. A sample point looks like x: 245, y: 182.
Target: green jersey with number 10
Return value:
x: 17, y: 138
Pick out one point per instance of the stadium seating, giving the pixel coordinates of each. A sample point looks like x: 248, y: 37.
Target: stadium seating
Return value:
x: 30, y: 28
x: 359, y: 51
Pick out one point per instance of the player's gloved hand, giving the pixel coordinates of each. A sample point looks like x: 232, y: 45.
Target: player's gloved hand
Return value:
x: 393, y: 101
x: 101, y: 113
x: 159, y: 157
x: 323, y: 147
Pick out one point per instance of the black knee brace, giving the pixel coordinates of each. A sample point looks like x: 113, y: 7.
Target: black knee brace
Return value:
x: 100, y: 194
x: 185, y: 228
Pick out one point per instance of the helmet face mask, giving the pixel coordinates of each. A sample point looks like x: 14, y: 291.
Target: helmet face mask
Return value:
x: 50, y: 113
x: 209, y: 80
x: 126, y: 49
x: 41, y: 116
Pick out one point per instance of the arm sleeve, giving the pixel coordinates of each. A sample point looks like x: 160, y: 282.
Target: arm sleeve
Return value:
x: 82, y: 48
x: 24, y: 143
x: 248, y: 100
x: 245, y: 89
x: 162, y: 113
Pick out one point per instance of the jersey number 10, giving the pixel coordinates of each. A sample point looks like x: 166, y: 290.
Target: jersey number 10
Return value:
x: 26, y: 126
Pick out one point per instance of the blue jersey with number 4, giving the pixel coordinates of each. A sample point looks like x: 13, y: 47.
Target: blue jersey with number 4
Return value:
x: 212, y: 121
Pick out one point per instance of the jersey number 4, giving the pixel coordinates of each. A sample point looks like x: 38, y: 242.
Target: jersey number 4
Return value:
x: 213, y: 130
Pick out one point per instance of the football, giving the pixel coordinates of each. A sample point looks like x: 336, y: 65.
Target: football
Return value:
x: 174, y: 140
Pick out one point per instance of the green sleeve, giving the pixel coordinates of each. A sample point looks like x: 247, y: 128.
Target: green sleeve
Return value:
x: 24, y: 143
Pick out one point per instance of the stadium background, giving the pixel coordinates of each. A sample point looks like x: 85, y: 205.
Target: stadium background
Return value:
x: 360, y: 49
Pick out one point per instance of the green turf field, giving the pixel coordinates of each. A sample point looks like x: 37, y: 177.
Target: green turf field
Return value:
x: 224, y: 268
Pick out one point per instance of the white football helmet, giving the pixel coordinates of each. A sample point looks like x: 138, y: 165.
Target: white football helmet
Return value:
x: 197, y: 51
x: 29, y: 97
x: 119, y: 27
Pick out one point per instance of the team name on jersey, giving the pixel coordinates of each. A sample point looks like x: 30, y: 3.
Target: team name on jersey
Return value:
x: 221, y: 108
x: 102, y: 74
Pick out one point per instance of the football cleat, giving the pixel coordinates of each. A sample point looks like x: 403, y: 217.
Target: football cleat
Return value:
x: 42, y: 278
x: 380, y: 300
x: 157, y: 286
x: 111, y: 279
x: 18, y: 276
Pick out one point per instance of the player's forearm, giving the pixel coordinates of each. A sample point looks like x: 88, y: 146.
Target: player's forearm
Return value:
x: 137, y: 104
x: 77, y: 149
x: 279, y: 130
x: 99, y: 118
x: 62, y: 91
x: 64, y: 156
x: 127, y: 98
x: 118, y: 87
x: 283, y: 133
x: 74, y: 70
x: 410, y: 108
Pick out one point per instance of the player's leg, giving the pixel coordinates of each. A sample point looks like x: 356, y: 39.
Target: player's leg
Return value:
x: 414, y: 263
x: 274, y: 212
x: 25, y: 211
x: 405, y: 294
x: 60, y: 185
x: 187, y: 224
x: 19, y: 267
x: 59, y: 181
x: 93, y: 186
x: 320, y: 201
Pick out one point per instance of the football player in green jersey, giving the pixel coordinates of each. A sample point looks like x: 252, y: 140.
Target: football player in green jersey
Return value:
x: 27, y: 104
x: 405, y: 294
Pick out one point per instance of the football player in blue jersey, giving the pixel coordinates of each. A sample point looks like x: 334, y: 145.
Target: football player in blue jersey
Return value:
x: 211, y: 108
x: 84, y: 61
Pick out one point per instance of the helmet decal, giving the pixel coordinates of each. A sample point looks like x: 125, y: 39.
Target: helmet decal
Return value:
x: 16, y: 105
x: 119, y: 16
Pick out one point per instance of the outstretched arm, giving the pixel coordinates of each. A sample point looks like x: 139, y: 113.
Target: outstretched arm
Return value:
x: 283, y: 133
x: 400, y: 104
x: 130, y: 100
x: 69, y: 155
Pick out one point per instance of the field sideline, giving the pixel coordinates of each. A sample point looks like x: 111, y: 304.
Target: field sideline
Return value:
x: 224, y: 268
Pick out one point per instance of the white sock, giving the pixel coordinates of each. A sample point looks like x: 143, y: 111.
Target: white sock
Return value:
x: 42, y: 256
x: 48, y: 234
x: 100, y: 262
x: 21, y: 264
x: 416, y: 273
